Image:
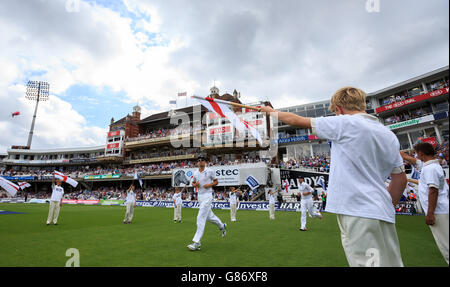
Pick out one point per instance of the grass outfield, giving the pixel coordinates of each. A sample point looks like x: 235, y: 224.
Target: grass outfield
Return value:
x: 155, y: 240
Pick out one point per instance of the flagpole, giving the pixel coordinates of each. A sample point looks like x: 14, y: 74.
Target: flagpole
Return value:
x: 230, y: 103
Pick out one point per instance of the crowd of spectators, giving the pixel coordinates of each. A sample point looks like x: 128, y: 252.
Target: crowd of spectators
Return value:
x: 319, y: 163
x: 412, y: 93
x: 164, y: 132
x: 408, y: 115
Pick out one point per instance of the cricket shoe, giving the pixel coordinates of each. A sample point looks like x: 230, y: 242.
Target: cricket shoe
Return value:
x: 194, y: 246
x: 305, y: 229
x: 224, y: 230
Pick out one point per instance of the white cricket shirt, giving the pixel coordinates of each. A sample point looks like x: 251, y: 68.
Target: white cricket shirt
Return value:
x: 304, y: 187
x: 233, y: 198
x: 363, y: 154
x: 207, y: 176
x: 432, y: 175
x: 272, y: 198
x: 57, y: 193
x: 131, y: 196
x: 177, y: 198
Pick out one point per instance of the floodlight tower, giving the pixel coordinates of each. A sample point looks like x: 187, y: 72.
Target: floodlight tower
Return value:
x: 36, y: 91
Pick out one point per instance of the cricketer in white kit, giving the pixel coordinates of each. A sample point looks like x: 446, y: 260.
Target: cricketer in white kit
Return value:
x: 55, y: 202
x: 204, y: 179
x: 177, y: 204
x: 272, y: 199
x: 130, y: 205
x: 233, y: 202
x: 307, y: 204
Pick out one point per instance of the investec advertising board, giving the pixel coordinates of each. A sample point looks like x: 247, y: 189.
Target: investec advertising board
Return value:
x: 227, y: 175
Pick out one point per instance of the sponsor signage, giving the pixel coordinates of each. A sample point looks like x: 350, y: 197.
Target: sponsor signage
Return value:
x: 310, y: 178
x: 15, y: 178
x: 113, y: 134
x: 431, y: 140
x: 113, y: 145
x: 415, y: 99
x: 412, y: 122
x: 36, y: 200
x: 81, y: 160
x: 441, y: 115
x: 403, y: 208
x: 103, y: 176
x: 298, y: 139
x: 227, y: 175
x: 111, y: 202
x: 79, y: 201
x: 406, y: 208
x: 220, y: 130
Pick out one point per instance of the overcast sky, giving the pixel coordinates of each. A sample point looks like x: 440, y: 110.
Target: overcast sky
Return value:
x: 102, y: 57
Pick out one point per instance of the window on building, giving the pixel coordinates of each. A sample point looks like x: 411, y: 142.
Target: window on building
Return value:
x: 404, y: 142
x: 442, y: 106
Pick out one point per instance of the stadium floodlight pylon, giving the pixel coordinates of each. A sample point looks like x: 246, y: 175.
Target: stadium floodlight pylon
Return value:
x: 36, y: 91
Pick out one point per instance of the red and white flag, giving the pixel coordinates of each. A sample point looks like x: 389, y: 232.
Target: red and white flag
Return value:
x: 182, y: 94
x: 23, y: 185
x: 222, y: 110
x: 65, y: 178
x: 10, y: 187
x: 286, y: 185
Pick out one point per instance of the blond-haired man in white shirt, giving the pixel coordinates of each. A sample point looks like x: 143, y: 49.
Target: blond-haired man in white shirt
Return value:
x: 55, y: 202
x: 364, y: 153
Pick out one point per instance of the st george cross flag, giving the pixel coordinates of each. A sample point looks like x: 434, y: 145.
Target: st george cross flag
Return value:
x: 136, y: 176
x: 222, y: 110
x: 10, y: 187
x: 252, y: 182
x: 65, y: 178
x: 286, y: 185
x: 23, y: 185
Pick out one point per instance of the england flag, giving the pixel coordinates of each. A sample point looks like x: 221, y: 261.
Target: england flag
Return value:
x: 23, y: 185
x: 222, y: 110
x: 10, y: 187
x: 65, y: 178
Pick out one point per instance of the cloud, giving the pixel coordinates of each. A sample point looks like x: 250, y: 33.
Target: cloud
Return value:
x: 288, y: 52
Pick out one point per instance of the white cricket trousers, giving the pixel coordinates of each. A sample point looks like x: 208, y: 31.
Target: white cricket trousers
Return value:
x: 205, y: 214
x: 177, y: 212
x: 272, y: 211
x: 440, y: 233
x: 53, y: 212
x: 129, y: 212
x: 233, y: 212
x: 369, y: 242
x: 307, y: 205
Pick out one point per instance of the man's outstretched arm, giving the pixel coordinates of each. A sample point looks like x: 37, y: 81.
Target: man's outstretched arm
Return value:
x: 288, y: 118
